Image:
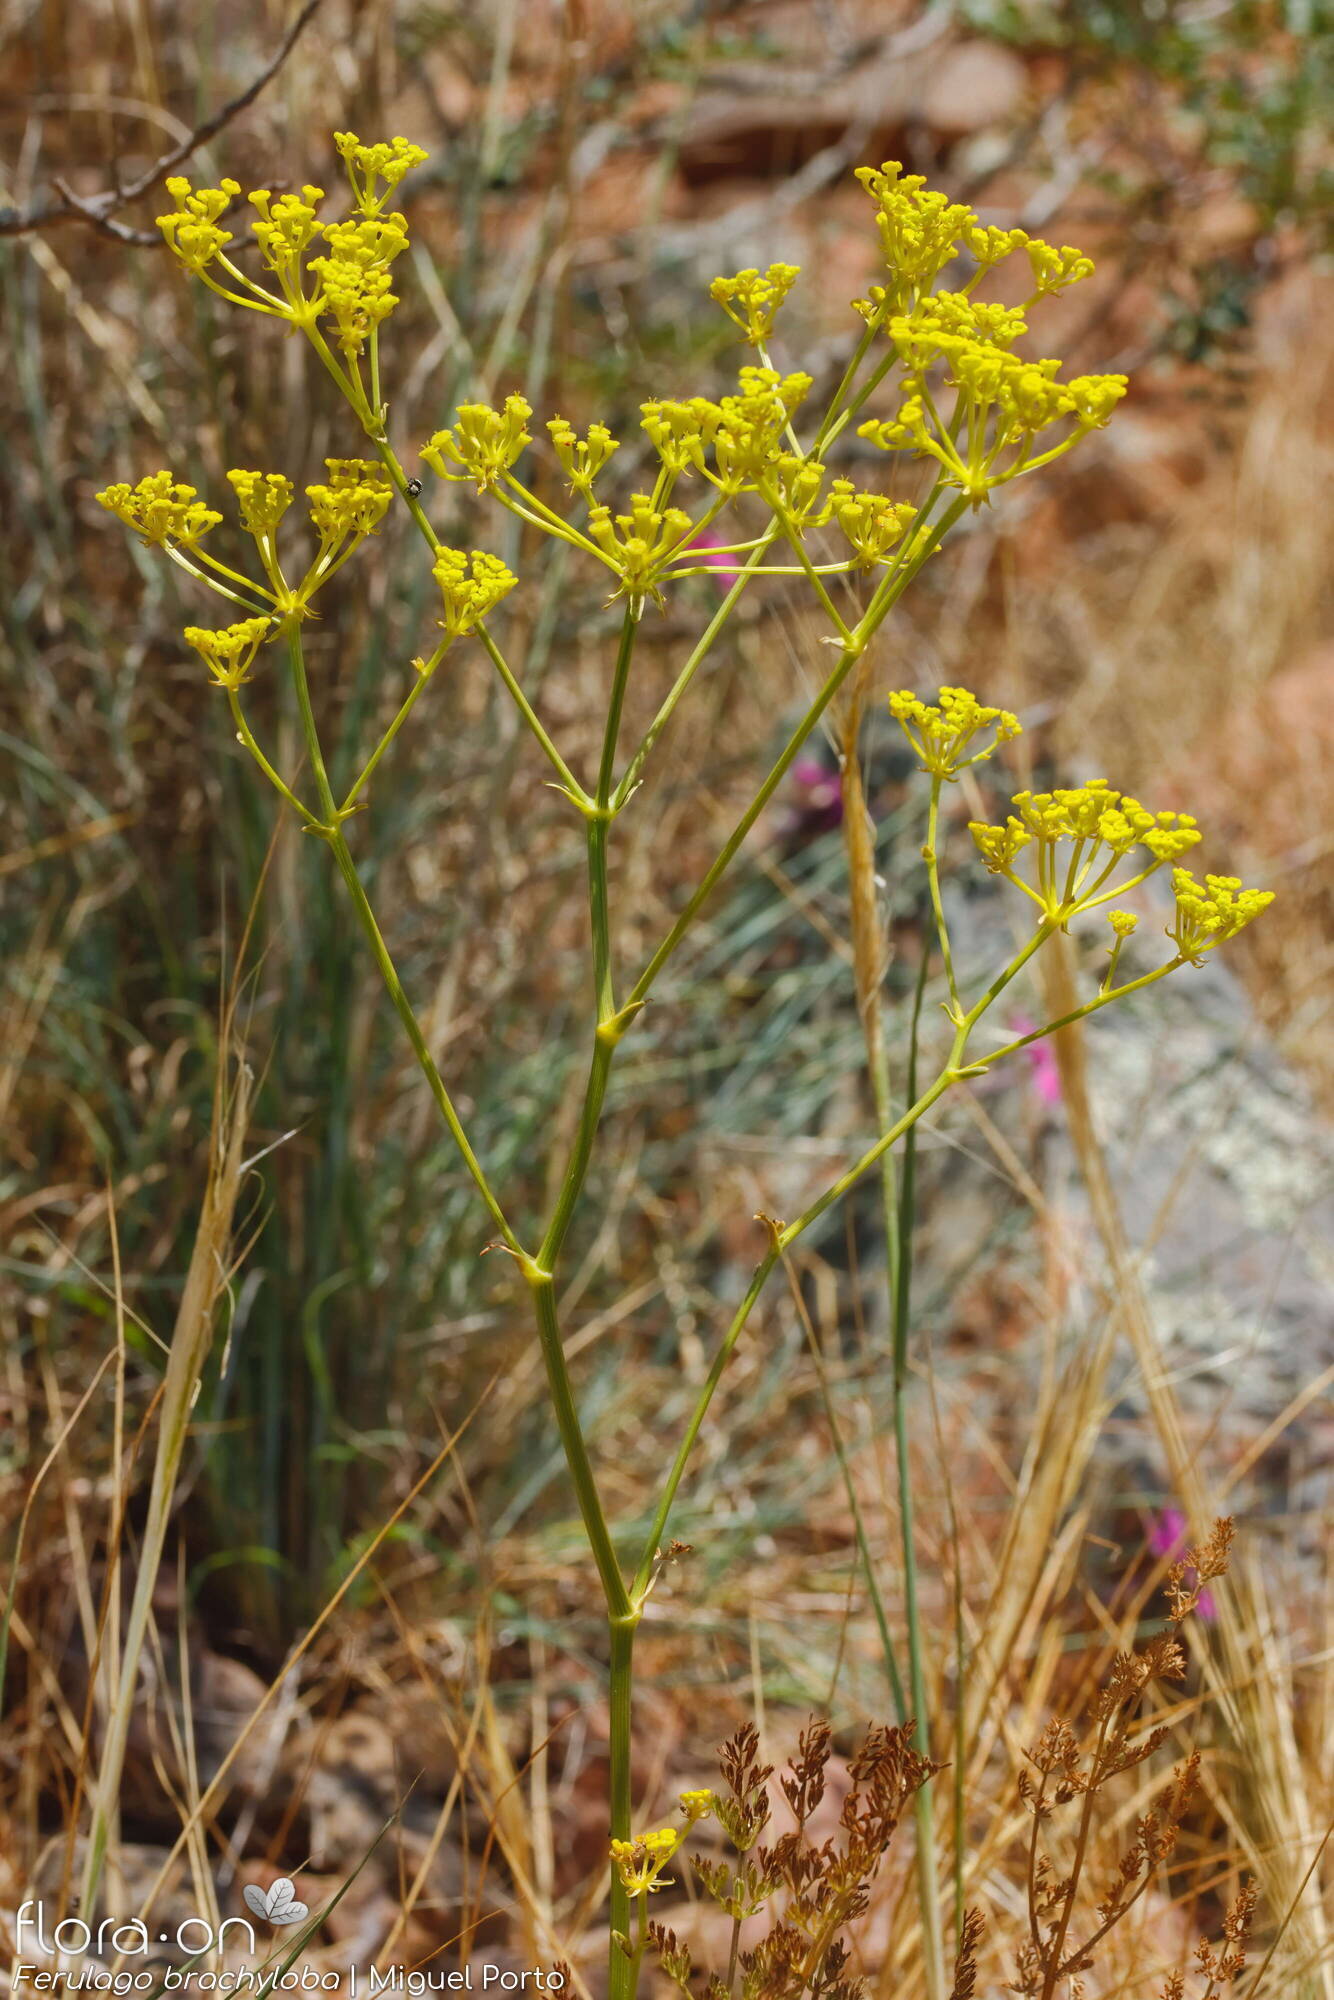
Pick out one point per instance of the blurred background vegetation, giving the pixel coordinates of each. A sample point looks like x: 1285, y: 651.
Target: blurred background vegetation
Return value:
x: 1157, y: 607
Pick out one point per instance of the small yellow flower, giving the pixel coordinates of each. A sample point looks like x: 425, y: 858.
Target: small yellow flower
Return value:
x: 639, y: 1862
x: 873, y: 524
x: 387, y: 161
x: 160, y: 509
x: 749, y: 437
x: 681, y: 433
x: 582, y: 458
x: 353, y: 501
x: 263, y: 498
x: 191, y: 229
x: 793, y: 487
x: 1208, y: 915
x: 228, y: 654
x: 696, y: 1805
x: 988, y: 245
x: 483, y: 442
x: 943, y: 735
x: 919, y: 228
x: 286, y: 227
x: 471, y: 586
x: 354, y: 278
x: 1123, y: 923
x: 1054, y: 269
x: 999, y: 845
x: 640, y: 544
x: 751, y: 299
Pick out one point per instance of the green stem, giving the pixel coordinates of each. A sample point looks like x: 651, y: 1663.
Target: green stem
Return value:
x: 609, y: 1023
x: 424, y: 674
x: 923, y: 1803
x: 619, y: 681
x: 783, y: 1237
x: 1082, y: 1013
x: 619, y: 1605
x: 933, y: 877
x: 342, y: 853
x: 402, y: 485
x: 623, y: 1973
x: 648, y: 1560
x: 530, y: 716
x: 880, y: 606
x: 248, y: 605
x: 689, y: 670
x: 296, y: 659
x: 412, y: 1028
x: 247, y: 737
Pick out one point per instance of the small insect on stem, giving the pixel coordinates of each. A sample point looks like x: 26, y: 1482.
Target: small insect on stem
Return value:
x: 414, y: 488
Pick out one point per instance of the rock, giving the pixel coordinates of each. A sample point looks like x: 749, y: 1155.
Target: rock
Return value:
x: 973, y: 85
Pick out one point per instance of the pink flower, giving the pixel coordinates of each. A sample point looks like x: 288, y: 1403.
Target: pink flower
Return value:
x: 706, y: 543
x: 1042, y: 1064
x: 1167, y: 1538
x: 816, y: 800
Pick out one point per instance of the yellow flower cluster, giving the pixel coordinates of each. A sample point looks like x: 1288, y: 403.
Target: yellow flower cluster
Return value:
x: 751, y: 298
x: 582, y: 458
x: 349, y: 283
x: 1079, y: 836
x: 263, y: 498
x: 471, y: 587
x: 228, y: 654
x: 1100, y: 825
x: 1097, y: 812
x: 1001, y: 401
x: 483, y: 443
x: 285, y: 228
x: 697, y: 1805
x: 919, y: 229
x: 748, y: 432
x: 745, y: 432
x: 639, y: 1862
x: 160, y: 510
x: 873, y: 525
x: 354, y: 277
x: 344, y: 509
x: 388, y: 161
x: 793, y: 490
x: 988, y: 246
x: 1210, y: 914
x: 353, y: 501
x: 1054, y: 269
x: 191, y: 229
x: 640, y: 544
x: 944, y: 733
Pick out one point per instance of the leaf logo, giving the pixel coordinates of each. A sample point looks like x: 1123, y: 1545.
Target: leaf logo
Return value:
x: 279, y: 1905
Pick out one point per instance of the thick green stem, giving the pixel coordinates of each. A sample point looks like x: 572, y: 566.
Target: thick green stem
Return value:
x: 928, y: 1894
x: 623, y: 1972
x: 572, y: 1438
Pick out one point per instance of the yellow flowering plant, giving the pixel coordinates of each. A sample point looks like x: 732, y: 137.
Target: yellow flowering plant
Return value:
x: 958, y: 414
